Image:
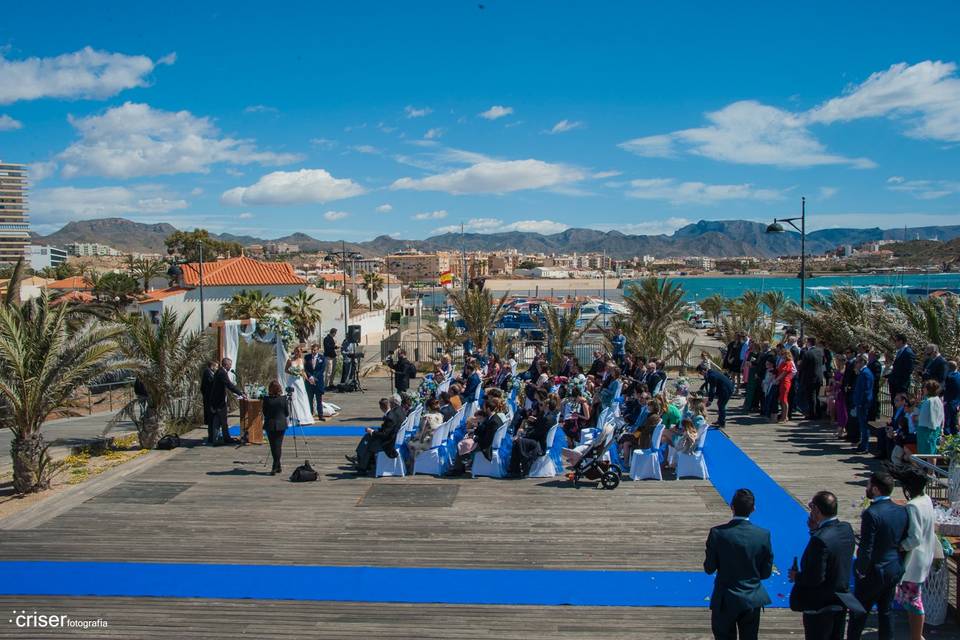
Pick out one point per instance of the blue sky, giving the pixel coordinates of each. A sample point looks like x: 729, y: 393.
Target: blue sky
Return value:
x: 350, y: 120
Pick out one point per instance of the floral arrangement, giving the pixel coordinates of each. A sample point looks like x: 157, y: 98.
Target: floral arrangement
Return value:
x: 281, y: 327
x: 255, y: 390
x: 427, y: 388
x: 579, y: 382
x: 295, y: 370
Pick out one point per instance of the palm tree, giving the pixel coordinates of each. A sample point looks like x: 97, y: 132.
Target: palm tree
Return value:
x: 479, y: 312
x: 303, y: 312
x: 682, y: 349
x: 13, y: 285
x: 447, y: 336
x: 657, y: 314
x: 161, y: 354
x: 248, y: 305
x: 844, y: 319
x: 146, y: 269
x: 774, y: 301
x: 562, y: 330
x: 43, y: 362
x: 373, y: 284
x: 714, y: 305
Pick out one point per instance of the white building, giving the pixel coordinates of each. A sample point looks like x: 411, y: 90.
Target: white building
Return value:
x: 42, y: 256
x: 91, y: 249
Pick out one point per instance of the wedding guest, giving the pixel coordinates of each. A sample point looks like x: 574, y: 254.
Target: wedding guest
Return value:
x: 785, y: 374
x: 929, y: 419
x: 883, y: 528
x: 275, y: 413
x: 824, y: 571
x: 577, y: 417
x: 920, y: 546
x: 330, y: 355
x: 381, y: 439
x: 719, y: 387
x: 951, y: 398
x: 811, y: 377
x: 935, y: 365
x: 741, y: 555
x: 899, y: 377
x: 206, y: 384
x: 221, y: 385
x: 422, y: 439
x: 862, y: 399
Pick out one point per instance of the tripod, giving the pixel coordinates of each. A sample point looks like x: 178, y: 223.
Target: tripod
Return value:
x: 292, y: 426
x: 353, y: 381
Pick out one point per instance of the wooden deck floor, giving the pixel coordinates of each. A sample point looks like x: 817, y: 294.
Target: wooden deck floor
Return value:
x: 218, y: 505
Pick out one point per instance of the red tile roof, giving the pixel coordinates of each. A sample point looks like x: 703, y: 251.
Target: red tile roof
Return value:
x: 75, y: 283
x: 73, y: 296
x: 242, y: 270
x: 160, y: 294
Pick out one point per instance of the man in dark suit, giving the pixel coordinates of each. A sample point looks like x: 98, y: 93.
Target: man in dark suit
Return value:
x: 473, y: 383
x: 824, y: 575
x: 951, y: 398
x: 403, y: 370
x: 847, y: 383
x: 898, y: 379
x: 883, y: 526
x: 314, y: 366
x: 717, y: 386
x: 741, y: 555
x: 811, y: 378
x: 219, y: 387
x: 862, y: 401
x: 382, y: 439
x: 935, y: 365
x: 330, y: 355
x: 206, y: 384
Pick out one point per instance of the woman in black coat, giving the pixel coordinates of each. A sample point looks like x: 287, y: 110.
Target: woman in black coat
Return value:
x: 275, y: 413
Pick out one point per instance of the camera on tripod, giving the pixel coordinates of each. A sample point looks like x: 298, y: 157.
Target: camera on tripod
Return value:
x: 290, y: 390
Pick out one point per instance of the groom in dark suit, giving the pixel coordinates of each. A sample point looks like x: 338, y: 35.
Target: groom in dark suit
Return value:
x: 741, y: 555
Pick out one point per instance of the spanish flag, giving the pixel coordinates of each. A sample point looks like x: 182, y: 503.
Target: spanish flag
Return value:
x: 446, y: 279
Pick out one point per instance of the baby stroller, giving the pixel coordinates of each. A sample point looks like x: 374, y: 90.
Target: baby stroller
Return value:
x: 592, y: 466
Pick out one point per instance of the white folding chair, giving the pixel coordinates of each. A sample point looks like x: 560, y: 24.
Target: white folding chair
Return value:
x: 499, y: 465
x: 693, y: 465
x: 645, y: 463
x: 550, y: 464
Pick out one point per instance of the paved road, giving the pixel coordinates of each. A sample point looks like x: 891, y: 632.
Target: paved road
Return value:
x: 63, y: 434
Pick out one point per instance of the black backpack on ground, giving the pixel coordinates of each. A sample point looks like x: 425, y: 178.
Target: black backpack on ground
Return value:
x: 169, y: 441
x: 304, y: 473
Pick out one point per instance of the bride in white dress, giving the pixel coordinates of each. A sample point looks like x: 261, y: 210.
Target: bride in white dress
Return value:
x: 296, y: 378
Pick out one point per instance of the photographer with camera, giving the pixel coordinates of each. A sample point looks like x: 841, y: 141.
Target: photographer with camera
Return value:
x: 276, y: 410
x: 403, y: 370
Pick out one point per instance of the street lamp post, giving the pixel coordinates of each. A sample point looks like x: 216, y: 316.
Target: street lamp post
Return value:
x: 344, y: 256
x: 776, y: 227
x: 203, y: 325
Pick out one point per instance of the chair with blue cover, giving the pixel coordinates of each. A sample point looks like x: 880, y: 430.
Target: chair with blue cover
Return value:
x: 387, y: 466
x: 645, y: 463
x: 550, y: 464
x: 694, y: 465
x: 435, y: 461
x: 501, y: 449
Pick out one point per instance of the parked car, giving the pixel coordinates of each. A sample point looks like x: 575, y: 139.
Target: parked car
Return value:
x: 702, y: 323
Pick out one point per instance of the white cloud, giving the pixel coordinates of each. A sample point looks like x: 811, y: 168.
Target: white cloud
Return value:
x: 86, y: 73
x: 496, y: 225
x: 41, y: 171
x: 246, y: 215
x: 827, y: 192
x: 366, y: 148
x: 260, y: 108
x: 926, y: 95
x: 495, y: 177
x: 306, y: 186
x: 196, y: 191
x: 496, y: 111
x: 433, y: 134
x: 746, y: 132
x: 565, y: 125
x: 385, y: 208
x: 665, y: 226
x: 323, y: 143
x: 923, y: 189
x: 335, y: 215
x: 70, y: 203
x: 606, y: 174
x: 9, y: 124
x: 430, y: 215
x: 697, y: 192
x: 417, y: 112
x: 137, y: 140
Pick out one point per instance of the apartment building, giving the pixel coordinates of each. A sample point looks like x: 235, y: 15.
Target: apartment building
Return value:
x: 14, y: 224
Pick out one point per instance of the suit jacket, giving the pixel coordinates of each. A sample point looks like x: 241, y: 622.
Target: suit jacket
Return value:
x: 470, y: 391
x: 951, y: 387
x: 206, y: 384
x: 386, y: 435
x: 863, y: 390
x: 314, y: 364
x: 275, y: 412
x: 741, y: 555
x: 883, y: 526
x: 935, y: 369
x: 718, y: 385
x: 811, y: 367
x: 401, y: 373
x: 824, y: 568
x: 218, y: 389
x: 655, y: 379
x: 899, y: 377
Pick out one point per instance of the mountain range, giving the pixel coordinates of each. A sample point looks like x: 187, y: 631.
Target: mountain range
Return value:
x: 716, y: 238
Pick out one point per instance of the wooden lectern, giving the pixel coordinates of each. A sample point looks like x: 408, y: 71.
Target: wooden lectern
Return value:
x: 251, y: 421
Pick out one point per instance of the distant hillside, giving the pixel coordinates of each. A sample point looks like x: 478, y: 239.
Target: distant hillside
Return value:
x: 927, y: 251
x: 708, y: 237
